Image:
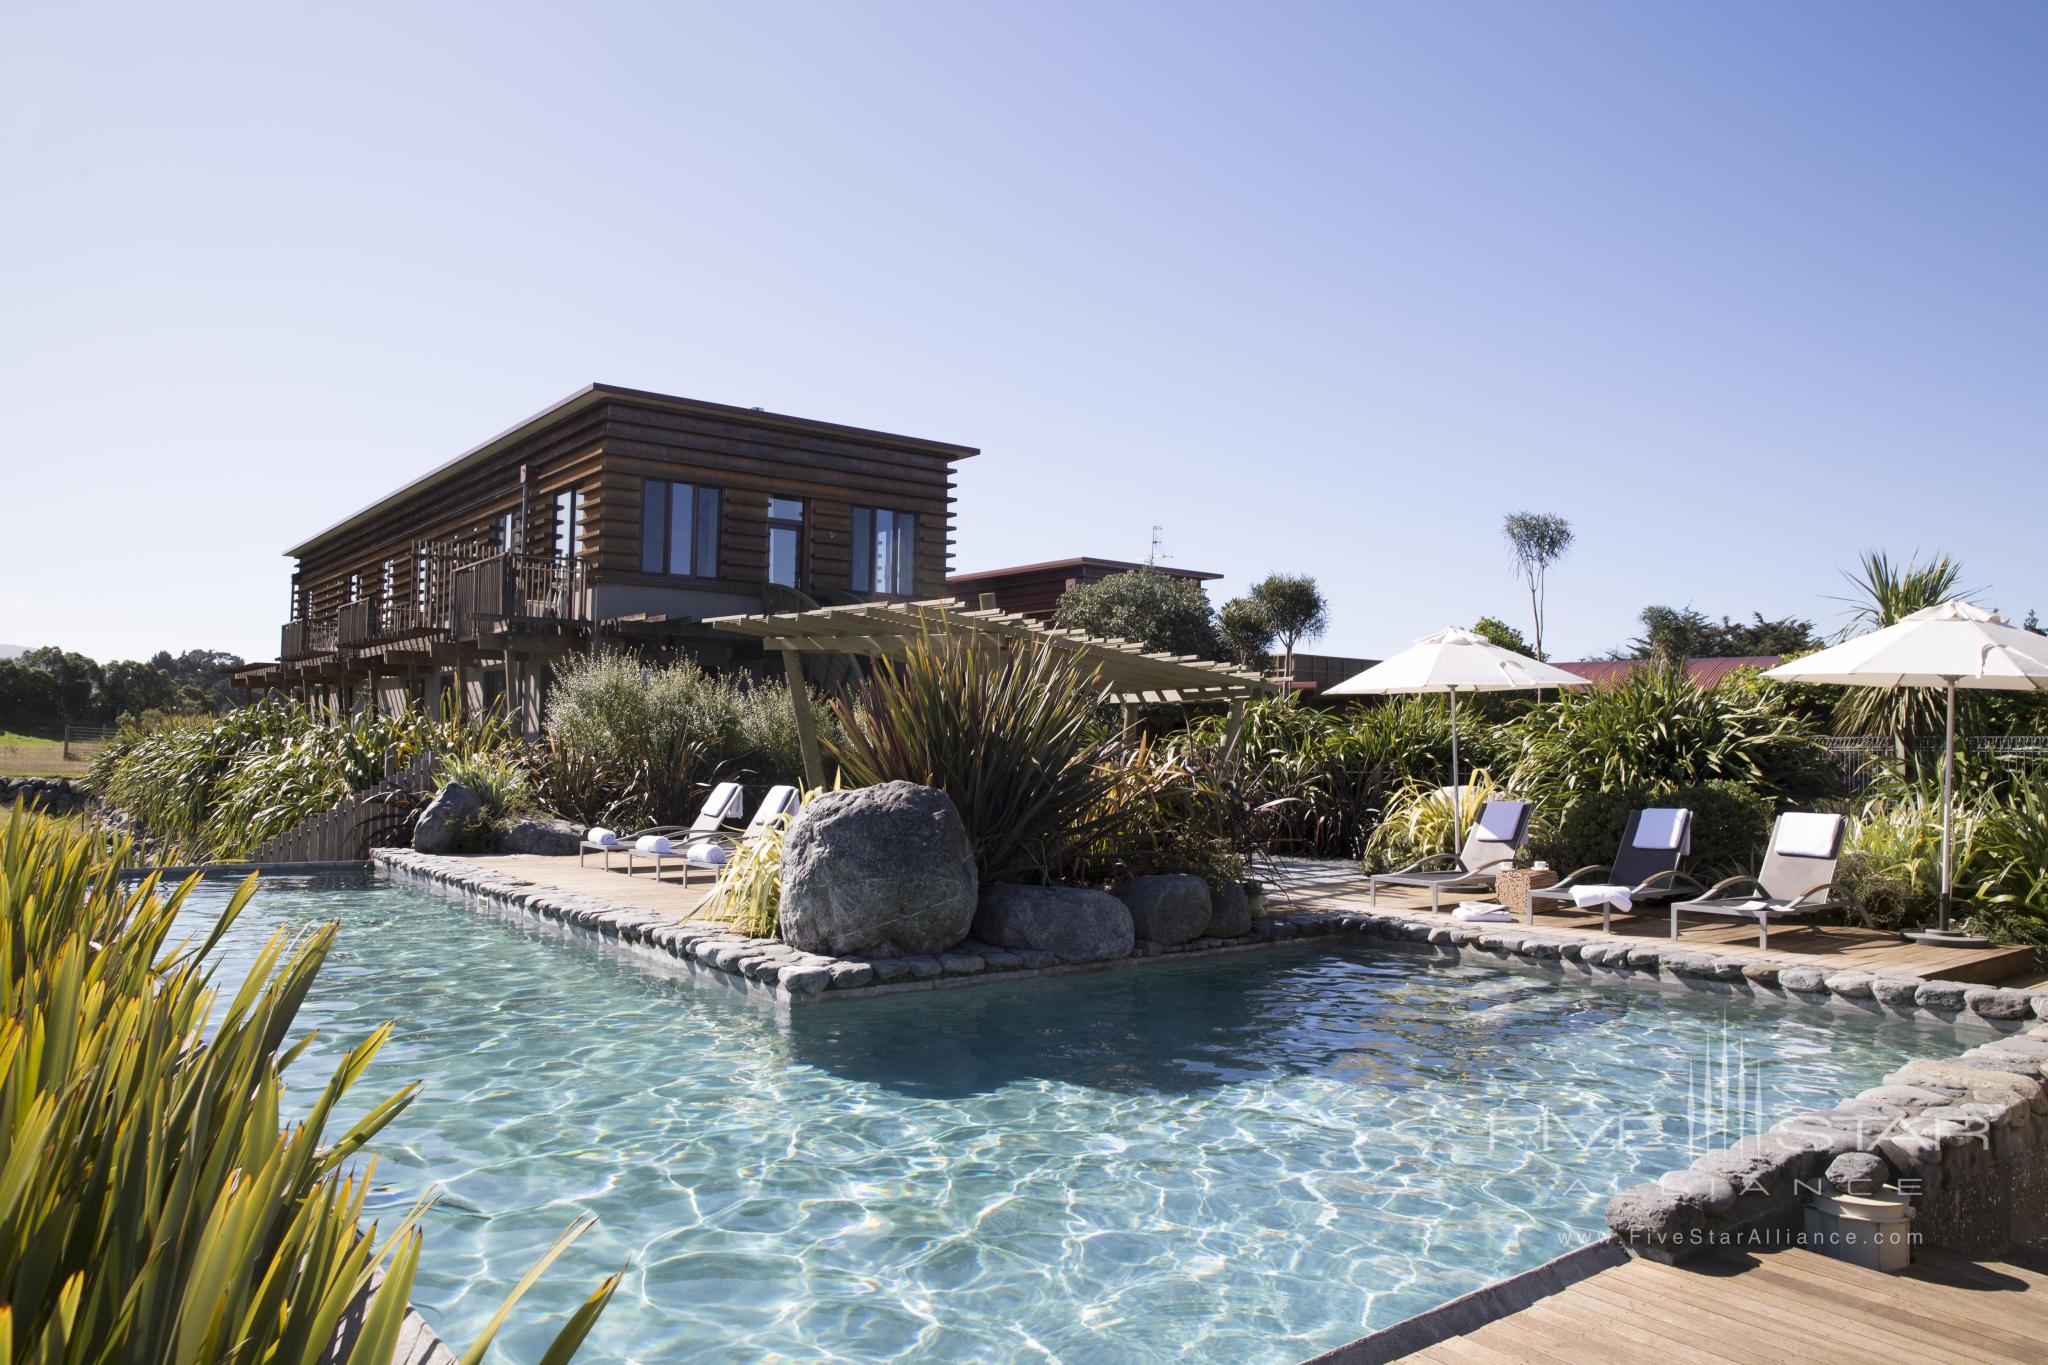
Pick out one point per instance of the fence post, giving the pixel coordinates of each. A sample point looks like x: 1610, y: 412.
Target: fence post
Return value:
x: 67, y: 742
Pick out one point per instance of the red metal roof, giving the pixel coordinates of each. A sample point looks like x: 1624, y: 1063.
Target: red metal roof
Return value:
x: 1706, y: 672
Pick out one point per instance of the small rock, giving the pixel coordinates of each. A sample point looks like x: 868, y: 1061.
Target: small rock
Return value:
x: 1167, y: 907
x: 806, y: 980
x: 454, y: 808
x: 1803, y: 980
x: 961, y: 964
x: 1762, y: 973
x: 1992, y: 1002
x: 1074, y: 923
x: 1850, y: 985
x: 1230, y: 910
x: 846, y: 976
x: 1943, y: 997
x: 1895, y: 992
x: 1857, y: 1173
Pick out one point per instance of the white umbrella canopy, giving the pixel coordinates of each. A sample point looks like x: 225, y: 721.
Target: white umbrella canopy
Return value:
x: 1449, y: 662
x: 1951, y: 645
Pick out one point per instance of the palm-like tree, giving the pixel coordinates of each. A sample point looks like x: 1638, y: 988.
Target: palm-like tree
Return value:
x: 1884, y: 594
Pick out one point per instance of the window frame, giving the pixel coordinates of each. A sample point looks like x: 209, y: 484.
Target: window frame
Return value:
x: 800, y: 525
x: 903, y: 530
x: 663, y: 527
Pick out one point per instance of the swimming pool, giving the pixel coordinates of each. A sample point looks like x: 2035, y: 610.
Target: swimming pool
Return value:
x: 1253, y: 1157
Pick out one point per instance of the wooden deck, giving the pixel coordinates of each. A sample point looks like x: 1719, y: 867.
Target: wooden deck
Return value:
x: 669, y: 896
x: 1317, y: 885
x: 1788, y: 1305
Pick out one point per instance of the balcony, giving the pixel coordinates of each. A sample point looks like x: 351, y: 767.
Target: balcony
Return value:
x: 306, y: 640
x: 514, y: 587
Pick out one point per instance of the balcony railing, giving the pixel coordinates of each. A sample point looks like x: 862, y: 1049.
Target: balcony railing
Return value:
x: 513, y: 587
x: 304, y: 639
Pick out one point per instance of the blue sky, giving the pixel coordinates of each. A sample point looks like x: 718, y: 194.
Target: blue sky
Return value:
x: 1740, y: 289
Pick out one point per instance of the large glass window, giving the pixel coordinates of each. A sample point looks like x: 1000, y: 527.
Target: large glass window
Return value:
x: 884, y: 551
x: 786, y: 542
x: 506, y: 523
x: 679, y: 529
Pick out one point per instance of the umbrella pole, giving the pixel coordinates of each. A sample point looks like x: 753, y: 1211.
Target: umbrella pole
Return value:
x: 1457, y: 795
x: 1948, y: 781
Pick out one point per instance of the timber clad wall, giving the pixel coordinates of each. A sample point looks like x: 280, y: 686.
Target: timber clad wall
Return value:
x: 417, y: 596
x: 605, y: 448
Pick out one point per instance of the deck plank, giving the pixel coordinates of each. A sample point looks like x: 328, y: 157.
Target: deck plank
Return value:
x: 1781, y: 1305
x: 1340, y: 887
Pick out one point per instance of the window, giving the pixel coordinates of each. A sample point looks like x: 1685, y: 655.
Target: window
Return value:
x: 568, y: 523
x: 884, y: 551
x: 786, y: 541
x: 679, y: 529
x: 505, y: 525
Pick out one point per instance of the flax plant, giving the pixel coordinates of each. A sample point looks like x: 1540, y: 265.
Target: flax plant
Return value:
x: 1007, y: 732
x: 154, y: 1204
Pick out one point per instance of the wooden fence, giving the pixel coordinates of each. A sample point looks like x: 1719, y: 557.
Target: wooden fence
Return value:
x: 352, y: 828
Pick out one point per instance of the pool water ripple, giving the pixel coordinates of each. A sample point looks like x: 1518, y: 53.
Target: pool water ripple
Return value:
x: 1247, y: 1158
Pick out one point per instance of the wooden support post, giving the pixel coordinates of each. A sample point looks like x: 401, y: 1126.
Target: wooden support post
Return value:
x: 1233, y: 727
x: 806, y: 723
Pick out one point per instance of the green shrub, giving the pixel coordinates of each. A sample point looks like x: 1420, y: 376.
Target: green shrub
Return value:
x: 1007, y: 733
x: 749, y: 892
x: 154, y: 1206
x: 1661, y: 730
x: 1731, y: 826
x: 1891, y: 869
x: 637, y: 744
x: 500, y: 778
x: 1419, y: 821
x: 1163, y: 810
x: 216, y: 787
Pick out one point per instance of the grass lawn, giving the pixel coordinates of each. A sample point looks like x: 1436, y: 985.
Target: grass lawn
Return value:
x: 40, y: 753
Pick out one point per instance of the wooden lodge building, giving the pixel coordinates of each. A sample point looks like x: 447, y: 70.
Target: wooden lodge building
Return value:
x: 614, y: 516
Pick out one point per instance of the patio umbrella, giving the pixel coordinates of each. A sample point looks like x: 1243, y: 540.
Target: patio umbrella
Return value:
x: 1449, y: 662
x: 1947, y: 646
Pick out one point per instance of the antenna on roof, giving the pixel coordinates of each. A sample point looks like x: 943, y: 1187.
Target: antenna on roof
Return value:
x: 1156, y: 554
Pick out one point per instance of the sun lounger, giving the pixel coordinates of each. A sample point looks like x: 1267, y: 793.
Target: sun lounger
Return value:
x: 1796, y: 881
x: 1646, y: 868
x: 711, y: 851
x: 722, y: 808
x: 1490, y: 847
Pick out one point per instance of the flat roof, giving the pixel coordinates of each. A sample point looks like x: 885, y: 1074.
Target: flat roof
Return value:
x: 1077, y: 562
x: 590, y: 395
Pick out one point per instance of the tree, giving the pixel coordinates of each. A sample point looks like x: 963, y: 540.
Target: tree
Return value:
x: 1160, y: 611
x: 1673, y: 634
x: 128, y: 687
x: 75, y: 678
x: 1883, y: 594
x: 1246, y: 633
x: 1294, y: 607
x: 1538, y: 540
x: 1498, y: 632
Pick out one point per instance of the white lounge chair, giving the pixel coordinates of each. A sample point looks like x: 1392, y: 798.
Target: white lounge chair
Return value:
x: 1646, y: 868
x: 1490, y: 848
x: 723, y: 808
x: 711, y: 851
x: 1796, y: 881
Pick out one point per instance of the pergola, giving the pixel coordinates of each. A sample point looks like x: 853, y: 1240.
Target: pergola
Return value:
x: 1130, y: 672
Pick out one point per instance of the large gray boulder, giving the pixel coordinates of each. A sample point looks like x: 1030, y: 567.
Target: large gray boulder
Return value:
x: 1070, y: 922
x: 1230, y: 911
x: 454, y: 808
x: 879, y: 872
x: 1167, y: 907
x: 550, y: 838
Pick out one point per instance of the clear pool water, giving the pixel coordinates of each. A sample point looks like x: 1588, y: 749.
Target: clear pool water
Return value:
x: 1251, y: 1158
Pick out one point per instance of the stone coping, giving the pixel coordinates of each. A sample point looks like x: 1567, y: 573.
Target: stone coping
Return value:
x: 795, y: 975
x: 790, y: 975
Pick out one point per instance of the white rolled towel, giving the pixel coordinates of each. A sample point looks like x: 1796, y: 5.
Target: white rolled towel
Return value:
x: 654, y: 843
x: 706, y: 853
x: 1593, y: 897
x: 1481, y: 912
x: 598, y: 834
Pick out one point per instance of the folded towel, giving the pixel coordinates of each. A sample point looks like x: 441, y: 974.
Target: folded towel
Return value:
x: 1482, y: 911
x: 598, y: 834
x: 706, y: 853
x: 1501, y: 821
x: 654, y: 843
x: 1804, y: 835
x: 1593, y: 897
x: 1661, y: 827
